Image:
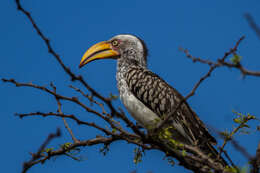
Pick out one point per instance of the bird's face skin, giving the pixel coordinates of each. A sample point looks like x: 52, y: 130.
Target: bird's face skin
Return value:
x: 118, y: 47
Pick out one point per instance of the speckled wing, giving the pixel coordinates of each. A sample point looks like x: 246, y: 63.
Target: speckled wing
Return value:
x: 162, y: 99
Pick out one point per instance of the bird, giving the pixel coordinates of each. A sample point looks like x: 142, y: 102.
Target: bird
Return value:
x: 147, y: 97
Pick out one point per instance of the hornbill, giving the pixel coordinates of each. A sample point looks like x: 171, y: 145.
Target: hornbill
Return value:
x: 148, y: 98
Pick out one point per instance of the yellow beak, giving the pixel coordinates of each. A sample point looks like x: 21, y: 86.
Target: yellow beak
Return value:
x: 102, y: 50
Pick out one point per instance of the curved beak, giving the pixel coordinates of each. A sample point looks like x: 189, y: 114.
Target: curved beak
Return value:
x: 102, y: 50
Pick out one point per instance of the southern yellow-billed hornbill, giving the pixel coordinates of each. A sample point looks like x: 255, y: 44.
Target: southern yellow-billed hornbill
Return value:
x: 147, y: 97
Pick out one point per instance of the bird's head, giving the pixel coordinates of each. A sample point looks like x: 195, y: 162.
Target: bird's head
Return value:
x: 120, y: 47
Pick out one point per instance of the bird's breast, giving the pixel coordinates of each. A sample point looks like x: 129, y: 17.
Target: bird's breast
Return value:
x: 139, y: 111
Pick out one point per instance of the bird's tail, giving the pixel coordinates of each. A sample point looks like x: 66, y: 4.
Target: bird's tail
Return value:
x: 209, y: 150
x: 174, y: 141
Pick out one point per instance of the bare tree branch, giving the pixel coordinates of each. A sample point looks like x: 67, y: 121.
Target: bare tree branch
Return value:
x: 73, y: 76
x: 64, y: 120
x: 75, y: 100
x: 69, y: 116
x: 221, y: 62
x: 122, y: 115
x: 64, y: 150
x: 241, y: 149
x: 36, y: 156
x: 123, y: 134
x: 42, y: 88
x: 212, y: 65
x: 229, y: 159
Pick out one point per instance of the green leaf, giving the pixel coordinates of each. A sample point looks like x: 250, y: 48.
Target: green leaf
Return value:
x: 66, y: 145
x: 236, y: 59
x: 231, y: 169
x: 251, y: 117
x: 114, y: 130
x: 225, y: 133
x: 47, y: 150
x: 184, y: 153
x: 237, y: 120
x: 113, y: 97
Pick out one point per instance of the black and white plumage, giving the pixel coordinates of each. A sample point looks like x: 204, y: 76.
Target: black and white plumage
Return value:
x: 147, y: 97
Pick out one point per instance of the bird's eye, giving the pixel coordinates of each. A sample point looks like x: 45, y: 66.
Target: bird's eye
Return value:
x: 115, y: 43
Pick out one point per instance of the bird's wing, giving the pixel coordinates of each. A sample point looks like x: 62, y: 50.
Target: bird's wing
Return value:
x: 162, y: 99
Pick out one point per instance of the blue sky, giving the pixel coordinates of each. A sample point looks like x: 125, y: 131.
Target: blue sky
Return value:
x: 207, y: 28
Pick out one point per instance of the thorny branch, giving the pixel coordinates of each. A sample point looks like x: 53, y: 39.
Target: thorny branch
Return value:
x: 139, y: 138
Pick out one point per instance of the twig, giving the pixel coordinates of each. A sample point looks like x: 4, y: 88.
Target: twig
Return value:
x: 70, y: 116
x: 237, y: 146
x: 252, y: 24
x: 202, y: 158
x: 64, y: 120
x: 221, y: 61
x: 73, y: 76
x: 71, y: 99
x: 91, y: 99
x: 42, y: 88
x: 121, y: 115
x: 36, y: 156
x: 230, y: 136
x: 70, y: 131
x: 90, y: 142
x: 131, y: 124
x: 241, y: 149
x: 212, y: 65
x: 229, y: 159
x: 63, y: 150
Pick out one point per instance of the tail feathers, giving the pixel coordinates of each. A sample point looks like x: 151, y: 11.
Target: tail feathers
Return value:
x: 173, y: 140
x: 213, y: 154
